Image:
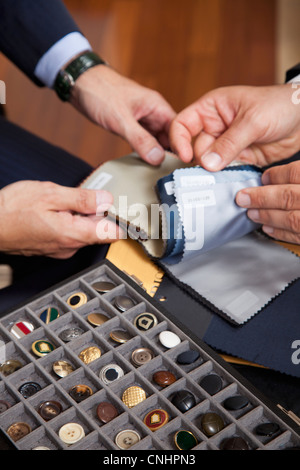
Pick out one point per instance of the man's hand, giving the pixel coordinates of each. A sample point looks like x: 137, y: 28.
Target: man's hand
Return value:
x: 276, y: 205
x: 140, y: 115
x: 42, y: 218
x: 258, y: 125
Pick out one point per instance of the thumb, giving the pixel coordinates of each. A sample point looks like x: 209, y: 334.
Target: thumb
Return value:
x: 226, y: 148
x: 144, y: 143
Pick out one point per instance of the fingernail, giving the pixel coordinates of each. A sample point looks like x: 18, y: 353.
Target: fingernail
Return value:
x: 155, y: 155
x: 211, y: 161
x: 265, y: 179
x: 253, y: 214
x: 268, y: 230
x: 243, y: 200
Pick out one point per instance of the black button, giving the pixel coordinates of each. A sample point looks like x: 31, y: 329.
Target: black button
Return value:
x: 267, y: 429
x: 235, y: 403
x: 183, y: 400
x: 235, y: 443
x: 212, y: 384
x: 188, y: 357
x: 29, y: 388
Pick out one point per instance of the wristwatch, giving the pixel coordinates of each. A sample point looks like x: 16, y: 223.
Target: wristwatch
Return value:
x: 67, y: 77
x: 292, y: 73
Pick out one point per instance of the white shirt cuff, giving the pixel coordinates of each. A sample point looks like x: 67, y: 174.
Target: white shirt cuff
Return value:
x: 58, y: 55
x: 295, y: 79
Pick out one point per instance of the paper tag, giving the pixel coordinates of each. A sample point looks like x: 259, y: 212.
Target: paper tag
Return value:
x: 196, y: 180
x: 100, y: 180
x: 199, y: 198
x: 169, y: 187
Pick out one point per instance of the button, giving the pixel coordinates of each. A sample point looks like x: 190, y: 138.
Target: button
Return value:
x: 42, y: 348
x: 21, y: 329
x: 133, y: 396
x: 18, y: 430
x: 183, y: 400
x: 235, y: 443
x: 77, y: 300
x: 267, y: 429
x: 40, y: 448
x: 80, y: 392
x: 188, y: 357
x: 62, y: 368
x: 71, y: 433
x: 49, y: 409
x: 123, y: 303
x: 29, y: 389
x: 212, y: 423
x: 141, y: 356
x: 106, y: 412
x: 145, y: 321
x: 127, y: 438
x: 49, y: 314
x: 235, y: 403
x: 169, y: 339
x: 120, y: 336
x: 10, y: 366
x: 102, y: 287
x: 110, y: 373
x: 185, y: 440
x: 70, y: 333
x: 4, y: 405
x: 156, y: 419
x: 163, y: 378
x: 212, y: 384
x: 90, y: 354
x: 97, y: 319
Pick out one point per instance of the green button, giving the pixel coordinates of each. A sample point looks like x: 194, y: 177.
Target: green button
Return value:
x: 185, y: 440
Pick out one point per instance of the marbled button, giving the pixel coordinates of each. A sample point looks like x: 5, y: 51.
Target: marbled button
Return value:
x: 141, y: 356
x: 120, y: 336
x: 102, y: 287
x: 212, y: 423
x: 145, y: 321
x: 110, y: 373
x: 10, y: 366
x: 183, y: 400
x: 18, y: 430
x: 90, y: 354
x: 28, y: 389
x: 4, y: 405
x: 185, y: 440
x: 21, y: 329
x: 211, y: 383
x: 80, y: 392
x: 155, y: 419
x: 42, y: 348
x: 106, y: 412
x: 49, y: 409
x: 71, y: 433
x: 127, y: 438
x: 97, y: 319
x: 163, y: 378
x: 169, y: 339
x: 49, y: 314
x: 77, y: 300
x: 123, y: 303
x: 236, y: 402
x: 188, y: 357
x: 62, y: 368
x: 235, y: 443
x: 267, y: 429
x: 69, y: 334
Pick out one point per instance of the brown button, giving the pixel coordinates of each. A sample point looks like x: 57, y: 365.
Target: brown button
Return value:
x: 106, y: 412
x: 4, y: 405
x: 80, y: 392
x: 141, y: 356
x: 164, y: 378
x: 18, y: 430
x: 49, y: 409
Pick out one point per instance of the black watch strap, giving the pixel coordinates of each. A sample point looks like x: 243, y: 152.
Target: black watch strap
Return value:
x: 292, y: 73
x: 67, y: 77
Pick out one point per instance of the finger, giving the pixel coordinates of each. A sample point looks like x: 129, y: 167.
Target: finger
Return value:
x: 284, y: 197
x: 283, y: 174
x: 282, y: 235
x: 202, y: 143
x: 80, y: 200
x: 226, y: 148
x: 279, y: 219
x: 184, y: 127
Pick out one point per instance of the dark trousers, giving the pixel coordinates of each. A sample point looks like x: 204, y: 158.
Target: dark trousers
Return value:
x: 24, y: 156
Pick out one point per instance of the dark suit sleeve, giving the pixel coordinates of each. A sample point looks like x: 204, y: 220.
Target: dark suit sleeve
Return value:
x: 28, y: 28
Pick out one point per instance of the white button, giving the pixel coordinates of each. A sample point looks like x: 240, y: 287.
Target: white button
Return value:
x: 169, y: 339
x: 71, y: 433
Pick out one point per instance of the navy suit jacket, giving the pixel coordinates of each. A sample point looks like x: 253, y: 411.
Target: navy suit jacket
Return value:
x: 28, y: 28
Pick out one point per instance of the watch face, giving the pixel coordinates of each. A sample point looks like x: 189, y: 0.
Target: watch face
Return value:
x: 66, y: 79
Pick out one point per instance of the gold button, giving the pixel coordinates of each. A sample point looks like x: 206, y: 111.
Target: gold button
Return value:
x: 133, y: 396
x: 120, y: 336
x: 77, y: 300
x: 90, y: 354
x: 97, y: 319
x: 42, y: 348
x: 62, y: 368
x: 10, y: 366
